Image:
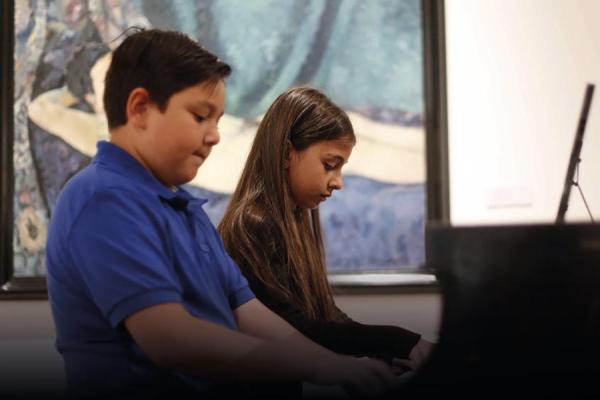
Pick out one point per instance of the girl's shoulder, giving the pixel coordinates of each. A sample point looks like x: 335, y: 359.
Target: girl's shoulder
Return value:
x: 258, y: 214
x: 260, y: 221
x: 261, y: 228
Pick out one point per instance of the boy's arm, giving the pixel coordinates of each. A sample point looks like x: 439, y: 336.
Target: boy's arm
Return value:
x: 174, y: 339
x: 255, y: 319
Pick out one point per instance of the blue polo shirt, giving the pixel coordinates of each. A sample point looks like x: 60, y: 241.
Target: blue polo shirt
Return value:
x: 119, y: 241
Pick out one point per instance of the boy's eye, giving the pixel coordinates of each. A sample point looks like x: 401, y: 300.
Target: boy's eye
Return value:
x: 199, y: 118
x: 328, y: 167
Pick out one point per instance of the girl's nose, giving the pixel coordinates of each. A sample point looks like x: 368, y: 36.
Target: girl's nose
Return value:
x: 337, y: 183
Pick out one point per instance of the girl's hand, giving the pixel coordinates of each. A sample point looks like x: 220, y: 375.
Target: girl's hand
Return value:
x: 421, y: 352
x: 401, y: 365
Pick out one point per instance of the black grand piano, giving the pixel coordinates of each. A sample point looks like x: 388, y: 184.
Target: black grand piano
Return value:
x: 521, y: 313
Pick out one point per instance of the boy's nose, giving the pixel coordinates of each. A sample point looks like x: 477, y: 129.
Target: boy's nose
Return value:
x: 212, y: 136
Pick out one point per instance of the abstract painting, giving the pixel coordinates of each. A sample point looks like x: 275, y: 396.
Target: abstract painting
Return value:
x: 367, y: 56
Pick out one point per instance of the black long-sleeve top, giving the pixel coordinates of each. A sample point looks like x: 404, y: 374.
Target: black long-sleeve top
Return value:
x: 344, y: 335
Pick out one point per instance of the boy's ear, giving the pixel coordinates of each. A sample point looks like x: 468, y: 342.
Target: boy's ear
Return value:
x: 137, y: 107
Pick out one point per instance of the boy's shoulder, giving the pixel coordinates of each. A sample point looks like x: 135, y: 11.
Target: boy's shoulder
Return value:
x: 97, y: 186
x: 96, y: 179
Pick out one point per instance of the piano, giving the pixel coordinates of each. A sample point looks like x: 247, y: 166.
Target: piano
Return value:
x: 520, y: 314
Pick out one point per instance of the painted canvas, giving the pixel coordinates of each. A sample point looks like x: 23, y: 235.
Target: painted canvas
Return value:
x: 365, y: 55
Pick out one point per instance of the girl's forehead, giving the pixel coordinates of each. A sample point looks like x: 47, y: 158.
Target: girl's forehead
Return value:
x: 336, y: 145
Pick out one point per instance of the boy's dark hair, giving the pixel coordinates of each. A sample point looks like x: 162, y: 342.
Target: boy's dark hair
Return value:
x: 163, y: 63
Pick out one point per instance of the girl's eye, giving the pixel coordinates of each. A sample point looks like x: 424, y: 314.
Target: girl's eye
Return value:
x: 199, y: 118
x: 328, y: 167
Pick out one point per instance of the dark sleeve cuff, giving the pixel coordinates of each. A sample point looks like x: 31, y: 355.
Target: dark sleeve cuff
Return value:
x: 353, y: 338
x: 240, y: 296
x: 406, y: 340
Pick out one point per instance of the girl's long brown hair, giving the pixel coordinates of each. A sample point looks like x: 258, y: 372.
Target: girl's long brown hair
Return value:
x: 262, y: 229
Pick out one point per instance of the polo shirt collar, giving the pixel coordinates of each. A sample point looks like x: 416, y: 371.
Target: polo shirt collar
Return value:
x: 118, y: 160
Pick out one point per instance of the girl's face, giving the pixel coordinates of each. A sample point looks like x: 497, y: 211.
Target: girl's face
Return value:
x: 314, y: 173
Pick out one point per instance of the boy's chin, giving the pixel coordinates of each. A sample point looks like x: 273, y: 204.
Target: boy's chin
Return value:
x: 182, y: 181
x: 188, y: 177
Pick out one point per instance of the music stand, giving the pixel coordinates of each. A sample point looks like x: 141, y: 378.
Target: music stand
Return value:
x: 575, y: 152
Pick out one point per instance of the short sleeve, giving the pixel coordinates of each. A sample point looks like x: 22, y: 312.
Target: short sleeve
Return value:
x: 239, y: 289
x: 120, y: 250
x: 235, y: 284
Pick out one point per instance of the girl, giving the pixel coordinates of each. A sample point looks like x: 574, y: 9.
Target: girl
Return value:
x: 271, y: 227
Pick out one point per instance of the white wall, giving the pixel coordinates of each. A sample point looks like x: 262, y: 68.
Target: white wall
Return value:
x: 419, y: 312
x: 517, y: 71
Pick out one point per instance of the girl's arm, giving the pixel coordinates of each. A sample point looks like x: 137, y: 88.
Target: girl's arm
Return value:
x: 269, y: 351
x: 344, y: 335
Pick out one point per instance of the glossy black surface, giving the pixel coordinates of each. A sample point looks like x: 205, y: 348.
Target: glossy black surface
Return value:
x: 521, y: 311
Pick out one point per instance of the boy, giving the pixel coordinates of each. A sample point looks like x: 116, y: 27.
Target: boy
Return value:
x: 144, y: 297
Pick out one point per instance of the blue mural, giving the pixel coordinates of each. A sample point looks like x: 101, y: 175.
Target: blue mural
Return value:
x: 366, y: 56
